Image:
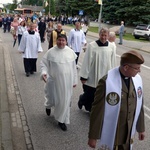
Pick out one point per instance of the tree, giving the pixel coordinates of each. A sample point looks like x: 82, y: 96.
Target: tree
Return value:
x: 72, y: 7
x: 15, y: 2
x: 132, y: 12
x: 14, y: 5
x: 50, y: 7
x: 33, y: 2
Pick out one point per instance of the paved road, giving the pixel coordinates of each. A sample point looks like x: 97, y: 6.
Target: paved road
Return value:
x: 27, y: 112
x: 96, y: 24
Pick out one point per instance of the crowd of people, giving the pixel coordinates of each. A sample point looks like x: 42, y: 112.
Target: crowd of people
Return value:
x: 113, y: 95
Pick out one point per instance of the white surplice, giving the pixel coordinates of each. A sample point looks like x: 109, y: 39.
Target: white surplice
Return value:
x: 76, y: 40
x: 60, y: 67
x: 97, y: 61
x: 30, y: 44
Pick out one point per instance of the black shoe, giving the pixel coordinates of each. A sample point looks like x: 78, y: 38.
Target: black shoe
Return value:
x: 120, y: 43
x: 62, y: 126
x: 31, y: 72
x: 88, y: 109
x: 48, y: 111
x: 27, y: 74
x: 80, y: 103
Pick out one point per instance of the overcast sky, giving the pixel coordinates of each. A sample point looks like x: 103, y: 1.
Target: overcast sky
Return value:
x: 7, y: 1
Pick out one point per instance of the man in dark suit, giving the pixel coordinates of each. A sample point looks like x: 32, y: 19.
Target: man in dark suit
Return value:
x: 9, y: 20
x: 4, y: 22
x: 42, y: 28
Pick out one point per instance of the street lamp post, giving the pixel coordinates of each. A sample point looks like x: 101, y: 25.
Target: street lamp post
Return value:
x: 49, y: 8
x: 100, y: 15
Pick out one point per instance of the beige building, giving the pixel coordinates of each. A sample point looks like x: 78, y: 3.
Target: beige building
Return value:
x: 27, y: 9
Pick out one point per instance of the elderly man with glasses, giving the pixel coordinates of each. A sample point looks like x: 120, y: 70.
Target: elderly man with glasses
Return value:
x: 117, y: 111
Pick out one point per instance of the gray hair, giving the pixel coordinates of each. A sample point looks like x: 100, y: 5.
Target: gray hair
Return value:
x: 112, y: 34
x: 104, y: 30
x: 122, y: 22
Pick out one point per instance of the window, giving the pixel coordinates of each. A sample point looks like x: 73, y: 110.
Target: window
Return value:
x: 27, y: 11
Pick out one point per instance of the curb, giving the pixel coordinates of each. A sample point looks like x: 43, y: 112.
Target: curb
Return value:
x: 6, y: 135
x: 20, y: 133
x: 92, y: 34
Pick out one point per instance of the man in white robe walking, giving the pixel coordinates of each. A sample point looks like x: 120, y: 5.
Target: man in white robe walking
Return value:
x: 100, y: 57
x: 30, y: 46
x: 58, y: 70
x: 76, y: 39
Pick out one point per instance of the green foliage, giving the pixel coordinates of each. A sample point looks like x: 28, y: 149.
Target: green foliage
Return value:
x: 132, y: 12
x: 33, y: 2
x: 72, y: 7
x: 50, y: 7
x: 93, y: 29
x: 12, y: 6
x: 15, y: 2
x: 8, y: 6
x: 127, y: 36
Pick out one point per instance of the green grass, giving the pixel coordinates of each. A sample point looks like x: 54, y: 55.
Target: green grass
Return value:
x: 130, y: 37
x: 127, y: 36
x: 93, y: 29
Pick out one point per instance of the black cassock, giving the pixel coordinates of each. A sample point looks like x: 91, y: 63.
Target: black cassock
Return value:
x: 42, y: 28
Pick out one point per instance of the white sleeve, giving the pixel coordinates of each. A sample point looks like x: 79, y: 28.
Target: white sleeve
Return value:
x: 83, y: 39
x: 75, y: 73
x: 22, y: 45
x: 17, y: 30
x: 39, y: 47
x: 44, y: 65
x: 84, y: 72
x: 70, y: 37
x: 113, y: 58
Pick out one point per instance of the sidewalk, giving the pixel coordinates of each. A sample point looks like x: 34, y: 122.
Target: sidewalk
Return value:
x: 5, y: 124
x: 143, y: 46
x: 14, y: 131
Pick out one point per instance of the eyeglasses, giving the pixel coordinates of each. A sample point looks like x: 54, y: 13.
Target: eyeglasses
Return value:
x: 135, y: 68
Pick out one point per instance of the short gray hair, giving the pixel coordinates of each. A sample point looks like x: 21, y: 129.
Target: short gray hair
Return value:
x: 104, y: 30
x: 112, y: 34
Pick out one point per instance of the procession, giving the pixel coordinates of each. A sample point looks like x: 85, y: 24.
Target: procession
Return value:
x: 74, y: 73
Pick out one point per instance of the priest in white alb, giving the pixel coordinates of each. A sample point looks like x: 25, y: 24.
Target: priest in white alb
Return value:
x: 100, y: 57
x: 30, y: 46
x: 58, y: 70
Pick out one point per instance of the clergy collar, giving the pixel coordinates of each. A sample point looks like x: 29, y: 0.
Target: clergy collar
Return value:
x: 124, y: 77
x: 31, y: 32
x: 77, y: 29
x: 58, y: 31
x: 99, y: 43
